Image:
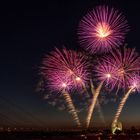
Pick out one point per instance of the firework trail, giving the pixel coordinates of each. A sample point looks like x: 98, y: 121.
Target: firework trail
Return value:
x: 97, y: 103
x: 100, y: 112
x: 93, y: 103
x: 65, y: 70
x: 134, y: 85
x: 102, y: 29
x: 121, y: 105
x: 71, y: 108
x: 92, y: 87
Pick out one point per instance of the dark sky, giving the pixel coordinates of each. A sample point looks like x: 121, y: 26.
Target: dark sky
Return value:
x: 30, y: 30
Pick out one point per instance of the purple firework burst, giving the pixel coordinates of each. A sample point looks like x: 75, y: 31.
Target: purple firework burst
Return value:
x: 106, y: 73
x: 126, y: 62
x: 102, y: 29
x: 134, y: 82
x: 65, y: 69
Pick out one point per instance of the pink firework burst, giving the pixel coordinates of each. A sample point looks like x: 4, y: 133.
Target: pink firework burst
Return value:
x: 127, y: 63
x: 65, y: 69
x: 106, y: 73
x: 102, y: 29
x: 134, y: 83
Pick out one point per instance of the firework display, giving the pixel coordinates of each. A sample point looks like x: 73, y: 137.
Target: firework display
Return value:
x: 102, y: 29
x: 101, y: 33
x: 65, y: 70
x: 116, y: 70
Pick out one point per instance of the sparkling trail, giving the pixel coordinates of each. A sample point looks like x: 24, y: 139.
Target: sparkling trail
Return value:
x: 71, y: 108
x: 93, y: 103
x: 121, y: 105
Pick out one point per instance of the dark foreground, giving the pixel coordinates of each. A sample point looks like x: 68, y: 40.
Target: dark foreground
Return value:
x: 69, y: 135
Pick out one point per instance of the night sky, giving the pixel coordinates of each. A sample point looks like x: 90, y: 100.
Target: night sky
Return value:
x: 30, y: 30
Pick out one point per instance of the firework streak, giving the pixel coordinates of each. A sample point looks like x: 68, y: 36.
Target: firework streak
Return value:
x: 100, y: 112
x: 93, y: 103
x: 121, y: 105
x: 71, y: 108
x: 97, y: 103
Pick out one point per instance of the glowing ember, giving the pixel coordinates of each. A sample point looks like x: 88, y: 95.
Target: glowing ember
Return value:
x: 108, y: 75
x: 103, y: 30
x: 78, y: 79
x: 64, y: 85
